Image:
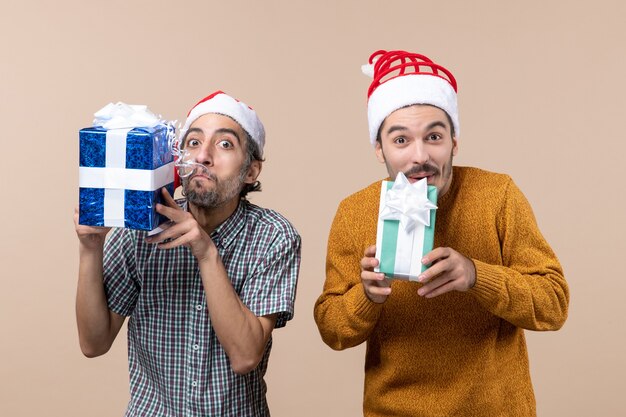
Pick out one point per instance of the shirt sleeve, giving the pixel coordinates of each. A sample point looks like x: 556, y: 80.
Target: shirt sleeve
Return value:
x: 529, y: 289
x: 345, y: 316
x: 272, y: 287
x: 120, y: 272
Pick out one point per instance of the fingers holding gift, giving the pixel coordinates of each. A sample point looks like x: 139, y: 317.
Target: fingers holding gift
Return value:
x: 171, y: 209
x: 169, y: 200
x: 175, y: 230
x: 370, y: 251
x: 451, y: 271
x: 188, y: 234
x: 438, y: 286
x: 175, y: 214
x: 437, y: 255
x: 368, y: 262
x: 179, y: 238
x: 91, y: 236
x: 377, y: 288
x: 181, y: 223
x: 183, y: 231
x: 85, y: 230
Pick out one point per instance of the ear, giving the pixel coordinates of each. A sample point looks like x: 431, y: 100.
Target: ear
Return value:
x: 379, y: 152
x: 253, y: 172
x: 455, y: 146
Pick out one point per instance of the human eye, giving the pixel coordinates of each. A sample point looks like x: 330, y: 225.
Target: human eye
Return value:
x: 192, y: 142
x: 434, y: 137
x: 400, y: 140
x: 225, y: 144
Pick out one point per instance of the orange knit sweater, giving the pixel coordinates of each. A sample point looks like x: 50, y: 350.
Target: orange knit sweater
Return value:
x: 459, y: 354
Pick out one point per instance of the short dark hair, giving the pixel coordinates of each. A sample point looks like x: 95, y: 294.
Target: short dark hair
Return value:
x: 253, y: 153
x: 452, y: 133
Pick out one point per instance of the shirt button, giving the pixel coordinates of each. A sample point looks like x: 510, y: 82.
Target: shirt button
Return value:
x: 194, y: 384
x: 199, y: 307
x: 196, y: 347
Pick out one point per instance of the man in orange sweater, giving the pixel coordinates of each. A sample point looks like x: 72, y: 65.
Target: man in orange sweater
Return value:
x: 453, y: 343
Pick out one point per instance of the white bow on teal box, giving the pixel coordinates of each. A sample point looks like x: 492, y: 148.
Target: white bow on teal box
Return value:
x: 406, y: 227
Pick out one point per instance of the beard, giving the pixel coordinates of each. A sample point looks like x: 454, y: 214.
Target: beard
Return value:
x: 225, y: 190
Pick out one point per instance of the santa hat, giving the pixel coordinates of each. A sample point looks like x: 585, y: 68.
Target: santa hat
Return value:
x: 402, y: 79
x: 221, y: 103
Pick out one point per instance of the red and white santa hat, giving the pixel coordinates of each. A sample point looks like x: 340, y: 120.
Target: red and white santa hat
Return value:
x: 402, y: 79
x: 221, y: 103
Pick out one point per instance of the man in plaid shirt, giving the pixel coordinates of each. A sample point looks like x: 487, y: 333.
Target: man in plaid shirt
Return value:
x: 204, y: 295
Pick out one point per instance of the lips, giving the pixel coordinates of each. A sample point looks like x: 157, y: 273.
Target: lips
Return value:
x: 418, y: 172
x: 417, y: 177
x: 206, y: 177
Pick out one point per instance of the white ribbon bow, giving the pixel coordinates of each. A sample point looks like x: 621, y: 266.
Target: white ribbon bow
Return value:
x: 124, y: 116
x: 408, y: 203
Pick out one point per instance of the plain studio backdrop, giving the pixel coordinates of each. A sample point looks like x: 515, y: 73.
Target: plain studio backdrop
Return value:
x: 541, y: 95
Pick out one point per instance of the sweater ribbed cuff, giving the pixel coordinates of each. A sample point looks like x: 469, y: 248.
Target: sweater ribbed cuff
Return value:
x: 363, y: 307
x: 488, y: 286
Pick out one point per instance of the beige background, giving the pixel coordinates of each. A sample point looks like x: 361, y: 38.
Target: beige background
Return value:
x: 541, y: 98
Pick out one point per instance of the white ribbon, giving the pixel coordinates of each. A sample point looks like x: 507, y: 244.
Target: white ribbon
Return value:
x: 126, y: 179
x: 408, y: 203
x: 124, y: 116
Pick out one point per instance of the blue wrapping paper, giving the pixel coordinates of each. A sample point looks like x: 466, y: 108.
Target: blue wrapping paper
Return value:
x: 134, y: 181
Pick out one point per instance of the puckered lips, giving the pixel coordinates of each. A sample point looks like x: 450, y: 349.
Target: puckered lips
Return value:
x: 202, y: 172
x: 203, y: 176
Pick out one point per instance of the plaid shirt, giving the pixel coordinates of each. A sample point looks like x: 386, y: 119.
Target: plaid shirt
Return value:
x: 177, y: 366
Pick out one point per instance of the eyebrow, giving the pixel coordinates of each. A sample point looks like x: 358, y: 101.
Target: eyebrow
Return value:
x: 192, y: 130
x: 229, y: 131
x: 436, y: 124
x: 218, y: 131
x: 396, y: 128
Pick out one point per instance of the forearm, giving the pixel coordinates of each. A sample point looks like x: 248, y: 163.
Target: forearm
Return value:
x: 527, y: 288
x: 346, y: 319
x: 241, y: 333
x: 537, y: 301
x: 92, y: 313
x: 344, y: 315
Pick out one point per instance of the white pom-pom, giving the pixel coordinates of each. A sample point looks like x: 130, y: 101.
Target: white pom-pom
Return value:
x: 368, y: 69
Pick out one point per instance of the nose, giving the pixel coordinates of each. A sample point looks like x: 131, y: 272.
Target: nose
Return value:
x: 205, y: 154
x: 420, y: 153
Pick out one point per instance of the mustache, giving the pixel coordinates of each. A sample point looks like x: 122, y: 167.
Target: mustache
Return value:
x: 199, y: 169
x: 425, y: 168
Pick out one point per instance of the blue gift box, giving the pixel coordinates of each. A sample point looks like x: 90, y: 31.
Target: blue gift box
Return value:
x: 121, y: 173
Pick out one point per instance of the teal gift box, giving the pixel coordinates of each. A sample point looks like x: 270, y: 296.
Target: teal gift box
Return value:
x: 406, y: 227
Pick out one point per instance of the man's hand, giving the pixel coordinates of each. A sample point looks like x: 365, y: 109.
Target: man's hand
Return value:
x: 450, y: 271
x: 90, y: 237
x: 184, y: 230
x: 376, y: 286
